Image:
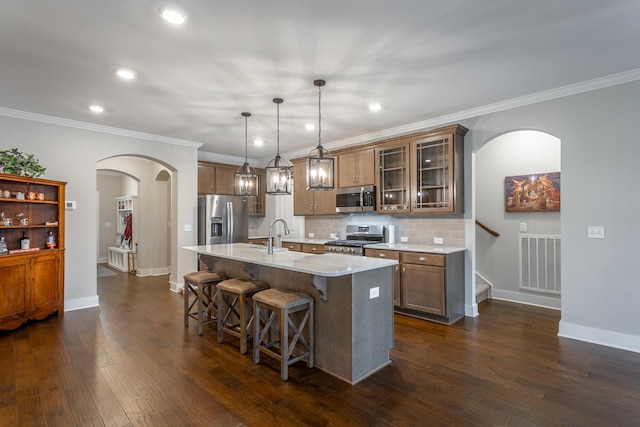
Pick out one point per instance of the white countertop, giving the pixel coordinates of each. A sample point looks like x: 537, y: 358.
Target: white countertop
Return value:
x: 405, y: 247
x: 328, y: 265
x: 303, y: 240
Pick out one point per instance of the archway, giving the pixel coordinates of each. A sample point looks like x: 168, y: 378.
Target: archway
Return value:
x: 497, y: 261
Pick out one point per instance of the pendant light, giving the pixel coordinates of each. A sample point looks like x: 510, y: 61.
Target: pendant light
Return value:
x: 278, y: 171
x: 245, y: 178
x: 320, y: 171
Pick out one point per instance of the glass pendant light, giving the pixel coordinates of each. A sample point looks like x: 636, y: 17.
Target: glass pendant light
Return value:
x: 278, y: 171
x: 245, y: 178
x: 320, y: 172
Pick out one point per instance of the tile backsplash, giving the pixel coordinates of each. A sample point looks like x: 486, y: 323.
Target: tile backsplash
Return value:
x: 419, y: 230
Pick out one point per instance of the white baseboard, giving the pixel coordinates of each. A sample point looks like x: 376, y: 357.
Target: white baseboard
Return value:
x: 599, y: 336
x: 471, y: 310
x: 537, y: 300
x: 103, y: 260
x: 143, y: 272
x: 176, y: 287
x: 81, y: 303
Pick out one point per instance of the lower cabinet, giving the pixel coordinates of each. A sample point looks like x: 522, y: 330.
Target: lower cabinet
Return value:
x: 429, y: 286
x: 310, y: 248
x: 31, y: 287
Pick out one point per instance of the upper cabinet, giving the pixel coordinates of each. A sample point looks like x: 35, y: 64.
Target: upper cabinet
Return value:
x: 422, y: 173
x: 306, y: 203
x: 217, y: 178
x: 356, y: 168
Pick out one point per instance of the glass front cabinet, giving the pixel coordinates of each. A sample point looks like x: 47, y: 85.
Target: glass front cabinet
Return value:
x: 422, y: 173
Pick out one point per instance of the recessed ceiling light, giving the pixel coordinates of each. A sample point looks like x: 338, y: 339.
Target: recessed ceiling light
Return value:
x: 375, y: 106
x: 309, y: 126
x: 173, y: 16
x: 95, y: 108
x: 258, y: 142
x: 125, y: 73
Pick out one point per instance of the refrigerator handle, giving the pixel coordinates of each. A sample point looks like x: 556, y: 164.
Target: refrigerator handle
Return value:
x: 229, y: 222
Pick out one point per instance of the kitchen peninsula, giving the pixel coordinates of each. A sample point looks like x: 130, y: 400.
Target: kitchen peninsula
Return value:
x: 353, y: 300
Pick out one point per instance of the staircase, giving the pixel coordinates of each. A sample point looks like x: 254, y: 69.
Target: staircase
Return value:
x: 483, y: 289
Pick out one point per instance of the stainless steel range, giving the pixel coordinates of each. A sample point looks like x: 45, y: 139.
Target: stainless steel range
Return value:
x: 356, y: 237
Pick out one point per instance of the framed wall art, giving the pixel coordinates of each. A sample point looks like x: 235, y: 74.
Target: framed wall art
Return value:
x: 532, y: 193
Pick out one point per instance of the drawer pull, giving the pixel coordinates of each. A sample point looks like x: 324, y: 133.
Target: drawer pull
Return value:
x: 382, y: 255
x: 313, y: 249
x: 422, y: 258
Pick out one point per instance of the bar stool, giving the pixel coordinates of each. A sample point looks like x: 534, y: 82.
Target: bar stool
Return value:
x: 201, y: 285
x: 234, y: 304
x: 267, y: 305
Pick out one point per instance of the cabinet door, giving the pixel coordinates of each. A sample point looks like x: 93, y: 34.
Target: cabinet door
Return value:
x: 14, y: 291
x: 366, y: 167
x: 432, y: 175
x: 45, y: 293
x: 347, y: 170
x: 423, y: 288
x: 392, y: 178
x: 302, y: 199
x: 224, y: 180
x: 206, y: 178
x: 324, y: 202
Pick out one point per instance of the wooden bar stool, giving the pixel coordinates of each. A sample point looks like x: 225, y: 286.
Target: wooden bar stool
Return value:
x: 201, y: 285
x: 267, y: 305
x: 235, y: 312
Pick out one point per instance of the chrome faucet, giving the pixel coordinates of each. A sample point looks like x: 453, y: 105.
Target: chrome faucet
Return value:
x: 270, y: 241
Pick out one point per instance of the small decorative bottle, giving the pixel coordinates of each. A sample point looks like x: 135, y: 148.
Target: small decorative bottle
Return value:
x: 24, y: 242
x: 51, y: 241
x: 3, y: 246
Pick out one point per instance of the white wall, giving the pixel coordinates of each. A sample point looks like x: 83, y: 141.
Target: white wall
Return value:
x: 70, y: 154
x: 514, y: 153
x: 600, y: 152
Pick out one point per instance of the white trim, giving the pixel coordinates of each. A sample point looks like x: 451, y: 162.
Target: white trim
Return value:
x: 96, y: 128
x: 521, y: 298
x: 599, y: 336
x: 176, y: 287
x: 471, y: 310
x: 224, y: 158
x: 547, y: 95
x: 81, y: 303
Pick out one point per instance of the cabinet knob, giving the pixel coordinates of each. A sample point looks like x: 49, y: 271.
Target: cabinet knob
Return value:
x: 382, y: 255
x: 422, y: 258
x: 314, y: 249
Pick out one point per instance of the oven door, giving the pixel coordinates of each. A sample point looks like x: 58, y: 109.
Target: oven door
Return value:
x: 356, y: 199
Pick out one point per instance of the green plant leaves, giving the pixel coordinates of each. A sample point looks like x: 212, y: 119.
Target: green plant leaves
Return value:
x: 16, y: 163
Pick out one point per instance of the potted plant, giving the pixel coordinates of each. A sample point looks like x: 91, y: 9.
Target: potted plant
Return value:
x: 16, y: 163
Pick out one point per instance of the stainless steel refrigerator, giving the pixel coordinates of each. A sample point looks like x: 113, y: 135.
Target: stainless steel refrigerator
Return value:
x: 222, y: 219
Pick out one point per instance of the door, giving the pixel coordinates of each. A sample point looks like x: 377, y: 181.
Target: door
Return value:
x: 423, y: 288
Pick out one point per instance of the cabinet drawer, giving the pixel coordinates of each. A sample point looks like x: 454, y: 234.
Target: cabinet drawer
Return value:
x: 382, y: 253
x: 297, y: 247
x: 423, y: 258
x: 312, y: 249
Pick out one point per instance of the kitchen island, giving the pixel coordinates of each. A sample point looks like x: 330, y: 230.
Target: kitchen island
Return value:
x: 353, y: 300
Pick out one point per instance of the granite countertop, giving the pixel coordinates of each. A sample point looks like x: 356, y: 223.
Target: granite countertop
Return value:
x: 406, y: 247
x: 328, y: 265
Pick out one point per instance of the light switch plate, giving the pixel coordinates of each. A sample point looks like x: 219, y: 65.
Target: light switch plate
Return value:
x: 438, y: 241
x: 187, y: 227
x: 404, y: 239
x: 595, y: 231
x: 374, y: 292
x: 311, y: 235
x: 523, y: 227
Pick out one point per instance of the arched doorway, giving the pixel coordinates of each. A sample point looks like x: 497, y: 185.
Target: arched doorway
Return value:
x: 497, y: 261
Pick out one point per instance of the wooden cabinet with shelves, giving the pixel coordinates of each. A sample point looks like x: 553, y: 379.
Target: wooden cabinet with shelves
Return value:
x: 429, y: 286
x: 422, y: 173
x: 356, y: 168
x: 307, y: 203
x: 32, y: 285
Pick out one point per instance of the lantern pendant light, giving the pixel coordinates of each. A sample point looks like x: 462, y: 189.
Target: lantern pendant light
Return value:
x: 320, y: 169
x: 245, y: 178
x: 278, y: 171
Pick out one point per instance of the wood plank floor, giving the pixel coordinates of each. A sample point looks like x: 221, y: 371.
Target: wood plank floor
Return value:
x: 131, y: 362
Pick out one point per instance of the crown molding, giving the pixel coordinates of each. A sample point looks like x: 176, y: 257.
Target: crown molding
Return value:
x: 208, y: 156
x: 24, y: 115
x: 561, y: 92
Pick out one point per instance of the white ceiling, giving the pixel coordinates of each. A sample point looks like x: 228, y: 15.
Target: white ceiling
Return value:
x: 421, y: 59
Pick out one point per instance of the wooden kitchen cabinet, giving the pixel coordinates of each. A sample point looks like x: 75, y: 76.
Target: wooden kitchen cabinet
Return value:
x: 429, y: 286
x: 356, y: 168
x: 218, y: 178
x: 422, y: 173
x: 307, y: 203
x: 31, y: 281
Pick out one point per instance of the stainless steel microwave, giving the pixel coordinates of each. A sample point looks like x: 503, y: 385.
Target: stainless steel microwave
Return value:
x: 356, y: 199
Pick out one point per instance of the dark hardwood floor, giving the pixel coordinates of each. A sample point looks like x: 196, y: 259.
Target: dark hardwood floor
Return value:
x: 132, y: 362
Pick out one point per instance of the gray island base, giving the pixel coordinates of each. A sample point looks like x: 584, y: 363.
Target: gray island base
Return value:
x: 353, y: 300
